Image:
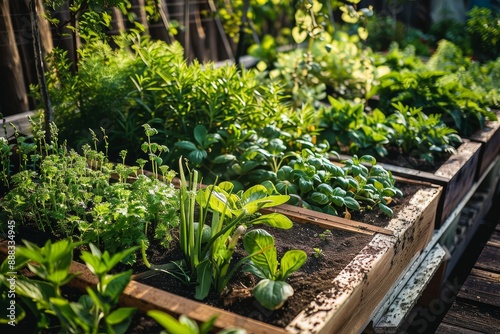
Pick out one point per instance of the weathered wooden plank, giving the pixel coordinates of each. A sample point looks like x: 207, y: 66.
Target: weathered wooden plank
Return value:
x: 460, y: 170
x: 489, y: 137
x: 481, y: 289
x: 407, y: 298
x: 360, y: 287
x: 486, y: 274
x: 20, y: 121
x: 472, y: 316
x: 494, y: 240
x: 445, y: 328
x: 488, y: 259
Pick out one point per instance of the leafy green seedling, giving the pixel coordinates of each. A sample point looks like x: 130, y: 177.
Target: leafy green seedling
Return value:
x: 272, y: 291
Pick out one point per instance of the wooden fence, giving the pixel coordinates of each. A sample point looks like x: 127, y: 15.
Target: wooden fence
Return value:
x: 204, y: 39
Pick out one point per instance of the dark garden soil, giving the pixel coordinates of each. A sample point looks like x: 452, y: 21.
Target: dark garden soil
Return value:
x: 397, y: 158
x: 335, y: 252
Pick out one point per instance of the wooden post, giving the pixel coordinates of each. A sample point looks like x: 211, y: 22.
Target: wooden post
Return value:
x: 37, y: 46
x: 187, y: 48
x: 241, y: 39
x: 13, y: 95
x: 24, y: 38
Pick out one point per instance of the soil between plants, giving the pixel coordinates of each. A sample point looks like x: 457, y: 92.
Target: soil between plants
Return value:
x: 314, y: 277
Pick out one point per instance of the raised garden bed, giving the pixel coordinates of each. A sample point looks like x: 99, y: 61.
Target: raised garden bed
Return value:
x: 489, y: 137
x: 356, y: 289
x: 456, y: 176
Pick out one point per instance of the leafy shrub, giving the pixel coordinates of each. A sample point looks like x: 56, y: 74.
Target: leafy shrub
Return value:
x: 406, y: 130
x: 436, y: 93
x: 150, y: 82
x: 483, y: 26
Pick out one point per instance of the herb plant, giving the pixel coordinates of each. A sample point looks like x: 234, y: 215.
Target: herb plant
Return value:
x: 421, y: 136
x: 482, y: 25
x: 74, y: 195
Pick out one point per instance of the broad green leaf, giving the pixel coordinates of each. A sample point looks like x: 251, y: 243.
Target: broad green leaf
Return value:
x: 203, y: 278
x: 337, y: 200
x: 275, y: 220
x: 388, y: 192
x: 330, y: 210
x: 368, y: 159
x: 342, y: 182
x: 34, y: 289
x: 261, y: 241
x: 339, y: 192
x: 305, y: 185
x: 299, y: 35
x: 275, y: 200
x: 285, y: 173
x: 120, y: 315
x: 223, y: 158
x: 386, y: 210
x: 353, y: 183
x: 379, y: 186
x: 291, y: 261
x: 218, y: 200
x: 351, y: 203
x: 325, y: 188
x: 254, y: 193
x: 226, y: 186
x: 319, y: 198
x: 113, y: 285
x: 200, y: 133
x: 171, y: 324
x: 334, y: 170
x: 272, y: 294
x: 187, y: 145
x: 196, y: 156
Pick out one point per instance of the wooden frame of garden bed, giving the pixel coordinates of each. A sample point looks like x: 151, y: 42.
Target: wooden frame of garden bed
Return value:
x: 489, y: 137
x: 360, y: 286
x: 456, y: 176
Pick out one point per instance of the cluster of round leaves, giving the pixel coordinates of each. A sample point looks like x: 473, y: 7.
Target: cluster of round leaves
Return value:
x: 317, y: 183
